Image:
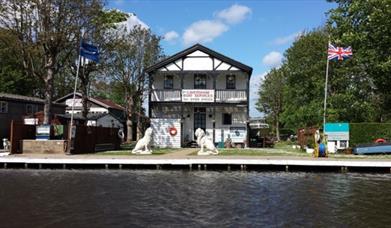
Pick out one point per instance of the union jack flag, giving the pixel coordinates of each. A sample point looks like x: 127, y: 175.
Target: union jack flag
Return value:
x: 339, y: 53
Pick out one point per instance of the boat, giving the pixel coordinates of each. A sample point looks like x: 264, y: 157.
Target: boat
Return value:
x: 374, y: 148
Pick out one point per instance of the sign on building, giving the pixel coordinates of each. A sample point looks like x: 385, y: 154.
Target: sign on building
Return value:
x: 337, y: 136
x: 198, y: 95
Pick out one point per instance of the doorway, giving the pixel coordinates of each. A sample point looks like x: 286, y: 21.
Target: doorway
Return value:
x: 199, y: 118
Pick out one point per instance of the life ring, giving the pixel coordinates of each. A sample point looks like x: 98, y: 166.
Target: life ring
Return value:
x: 173, y: 131
x: 121, y: 134
x: 380, y: 140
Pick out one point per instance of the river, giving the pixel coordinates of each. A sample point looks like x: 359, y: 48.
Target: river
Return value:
x: 132, y: 198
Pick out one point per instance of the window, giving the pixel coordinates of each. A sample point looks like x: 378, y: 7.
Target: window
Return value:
x: 200, y: 81
x: 230, y: 81
x: 31, y: 109
x: 227, y: 119
x: 3, y: 107
x: 168, y: 82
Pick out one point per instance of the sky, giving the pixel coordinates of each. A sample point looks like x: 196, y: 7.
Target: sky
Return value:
x: 255, y: 33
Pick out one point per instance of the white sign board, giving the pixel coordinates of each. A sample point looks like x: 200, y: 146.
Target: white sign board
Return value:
x: 161, y: 135
x: 78, y: 103
x: 238, y: 134
x: 198, y: 95
x: 337, y: 136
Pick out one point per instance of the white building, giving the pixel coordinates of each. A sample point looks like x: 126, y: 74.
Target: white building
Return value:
x: 199, y: 88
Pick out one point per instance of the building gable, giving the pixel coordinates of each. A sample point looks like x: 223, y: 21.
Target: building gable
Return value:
x: 199, y: 58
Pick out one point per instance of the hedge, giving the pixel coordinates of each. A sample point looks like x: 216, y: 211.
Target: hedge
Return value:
x: 361, y: 133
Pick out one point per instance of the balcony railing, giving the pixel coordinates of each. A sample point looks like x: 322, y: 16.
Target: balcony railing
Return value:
x: 166, y: 95
x: 221, y: 96
x: 231, y: 96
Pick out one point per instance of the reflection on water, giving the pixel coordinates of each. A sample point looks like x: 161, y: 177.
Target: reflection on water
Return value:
x: 58, y: 198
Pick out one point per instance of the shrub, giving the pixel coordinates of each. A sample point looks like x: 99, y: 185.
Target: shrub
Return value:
x: 369, y: 132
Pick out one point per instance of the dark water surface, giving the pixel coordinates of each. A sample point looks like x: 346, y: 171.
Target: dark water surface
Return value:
x: 82, y: 198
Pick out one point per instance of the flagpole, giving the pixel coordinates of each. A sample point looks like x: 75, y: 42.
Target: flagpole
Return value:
x: 74, y: 97
x: 325, y: 92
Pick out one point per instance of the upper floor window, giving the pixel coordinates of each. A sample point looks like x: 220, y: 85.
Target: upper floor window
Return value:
x: 230, y: 81
x: 200, y: 81
x: 3, y: 107
x: 168, y: 82
x: 31, y: 109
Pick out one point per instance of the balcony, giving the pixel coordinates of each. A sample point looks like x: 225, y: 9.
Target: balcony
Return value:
x: 199, y: 95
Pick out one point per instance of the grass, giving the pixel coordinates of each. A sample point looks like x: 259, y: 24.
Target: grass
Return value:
x: 126, y: 149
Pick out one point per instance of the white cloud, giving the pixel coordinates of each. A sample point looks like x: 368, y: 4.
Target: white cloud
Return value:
x: 234, y: 14
x: 131, y: 22
x: 171, y: 36
x: 203, y: 31
x: 272, y: 59
x: 286, y: 39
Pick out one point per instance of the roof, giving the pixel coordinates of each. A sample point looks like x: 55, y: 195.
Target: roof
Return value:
x: 99, y: 101
x: 17, y: 97
x: 202, y: 48
x: 79, y: 116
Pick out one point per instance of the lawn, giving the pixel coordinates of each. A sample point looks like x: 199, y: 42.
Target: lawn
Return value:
x: 126, y: 149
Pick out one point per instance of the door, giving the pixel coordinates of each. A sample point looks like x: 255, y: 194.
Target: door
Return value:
x: 200, y: 118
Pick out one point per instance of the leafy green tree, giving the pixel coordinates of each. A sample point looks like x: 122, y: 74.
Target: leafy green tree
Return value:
x: 271, y: 95
x: 132, y: 53
x: 366, y: 26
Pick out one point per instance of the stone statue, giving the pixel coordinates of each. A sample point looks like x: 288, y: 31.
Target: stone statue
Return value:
x: 142, y: 145
x: 204, y: 142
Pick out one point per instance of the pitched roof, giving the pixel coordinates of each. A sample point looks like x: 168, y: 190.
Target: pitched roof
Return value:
x: 203, y: 49
x: 18, y: 97
x: 99, y: 101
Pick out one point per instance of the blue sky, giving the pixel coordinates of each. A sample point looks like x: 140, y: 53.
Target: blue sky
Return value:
x: 255, y: 33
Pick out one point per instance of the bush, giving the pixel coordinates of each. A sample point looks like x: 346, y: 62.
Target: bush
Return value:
x: 369, y: 132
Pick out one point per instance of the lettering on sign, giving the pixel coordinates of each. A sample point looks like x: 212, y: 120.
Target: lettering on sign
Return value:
x: 198, y: 95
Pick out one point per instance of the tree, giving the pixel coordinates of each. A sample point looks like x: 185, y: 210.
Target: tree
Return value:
x: 132, y: 53
x: 47, y: 29
x: 271, y: 94
x: 366, y: 26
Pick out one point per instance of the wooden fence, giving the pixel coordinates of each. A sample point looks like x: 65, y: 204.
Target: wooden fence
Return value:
x: 88, y: 139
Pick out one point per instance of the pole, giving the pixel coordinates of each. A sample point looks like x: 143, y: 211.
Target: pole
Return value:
x: 73, y: 107
x: 325, y: 93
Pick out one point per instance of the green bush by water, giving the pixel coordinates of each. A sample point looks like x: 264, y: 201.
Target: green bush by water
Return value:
x: 368, y: 132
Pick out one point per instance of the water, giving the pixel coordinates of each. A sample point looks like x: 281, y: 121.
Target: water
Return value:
x: 80, y: 198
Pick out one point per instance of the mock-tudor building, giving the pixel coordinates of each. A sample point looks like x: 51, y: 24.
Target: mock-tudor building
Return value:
x: 199, y: 88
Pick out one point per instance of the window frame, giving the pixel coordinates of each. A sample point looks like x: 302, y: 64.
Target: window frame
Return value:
x: 2, y: 105
x: 33, y: 108
x: 165, y: 84
x: 201, y: 85
x: 228, y: 84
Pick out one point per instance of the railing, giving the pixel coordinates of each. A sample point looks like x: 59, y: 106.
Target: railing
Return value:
x: 222, y: 96
x: 166, y: 95
x: 231, y: 96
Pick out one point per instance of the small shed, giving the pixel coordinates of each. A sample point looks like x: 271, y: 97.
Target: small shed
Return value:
x: 337, y: 136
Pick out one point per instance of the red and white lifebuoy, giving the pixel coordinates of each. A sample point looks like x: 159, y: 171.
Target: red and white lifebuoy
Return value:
x: 173, y: 131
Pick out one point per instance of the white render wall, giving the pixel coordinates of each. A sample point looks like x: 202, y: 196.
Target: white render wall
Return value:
x: 160, y: 133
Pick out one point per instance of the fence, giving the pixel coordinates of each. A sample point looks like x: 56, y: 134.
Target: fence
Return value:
x: 87, y: 139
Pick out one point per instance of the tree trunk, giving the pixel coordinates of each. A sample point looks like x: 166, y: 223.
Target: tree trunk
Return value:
x: 277, y: 128
x: 129, y: 136
x: 47, y: 110
x: 139, y: 127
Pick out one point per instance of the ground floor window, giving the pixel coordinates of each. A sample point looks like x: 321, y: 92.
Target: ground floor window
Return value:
x: 227, y: 118
x: 3, y: 107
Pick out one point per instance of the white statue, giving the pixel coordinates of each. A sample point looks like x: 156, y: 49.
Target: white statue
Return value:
x: 204, y: 142
x: 6, y: 144
x: 142, y: 145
